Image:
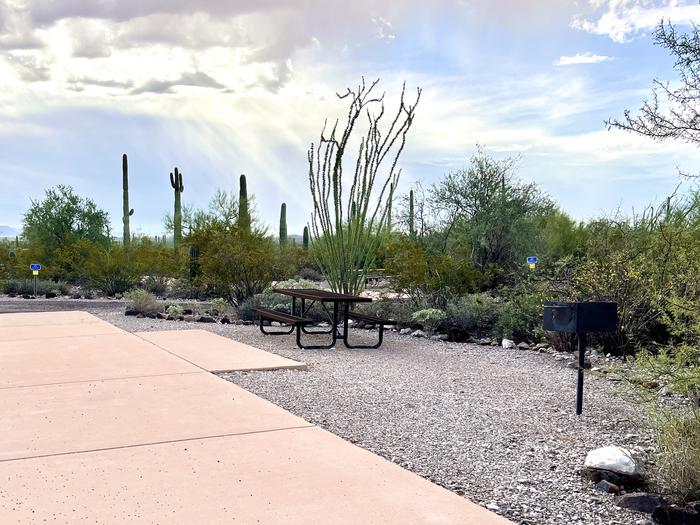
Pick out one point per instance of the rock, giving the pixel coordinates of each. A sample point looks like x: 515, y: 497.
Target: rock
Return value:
x: 188, y: 318
x: 493, y: 506
x: 187, y: 311
x: 541, y: 346
x: 206, y: 319
x: 439, y: 337
x: 418, y: 333
x: 612, y: 463
x: 76, y: 296
x: 484, y: 341
x: 405, y: 331
x: 225, y: 320
x: 495, y: 343
x: 606, y: 486
x: 574, y: 364
x: 674, y: 515
x: 170, y: 317
x: 161, y: 315
x: 50, y: 295
x: 640, y: 501
x: 248, y: 323
x: 507, y: 343
x: 130, y: 311
x: 523, y: 346
x: 369, y: 326
x: 12, y: 294
x: 26, y: 296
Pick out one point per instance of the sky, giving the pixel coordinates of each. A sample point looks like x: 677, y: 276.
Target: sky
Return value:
x: 224, y: 87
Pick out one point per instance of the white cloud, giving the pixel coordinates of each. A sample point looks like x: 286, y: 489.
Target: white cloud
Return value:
x: 621, y: 20
x: 581, y: 58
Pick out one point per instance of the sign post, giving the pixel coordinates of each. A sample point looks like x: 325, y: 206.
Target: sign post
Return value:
x: 35, y: 267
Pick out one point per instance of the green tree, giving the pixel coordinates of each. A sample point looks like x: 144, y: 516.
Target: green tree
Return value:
x: 63, y: 218
x: 487, y: 207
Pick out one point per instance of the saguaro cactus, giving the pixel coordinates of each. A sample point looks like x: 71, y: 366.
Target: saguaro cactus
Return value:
x: 179, y: 187
x: 243, y: 206
x: 126, y: 235
x: 411, y: 226
x: 305, y: 239
x: 283, y: 224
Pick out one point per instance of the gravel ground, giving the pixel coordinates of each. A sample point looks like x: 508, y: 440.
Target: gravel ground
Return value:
x: 497, y: 426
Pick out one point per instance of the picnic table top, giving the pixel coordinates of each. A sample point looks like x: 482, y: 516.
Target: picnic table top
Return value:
x: 321, y: 295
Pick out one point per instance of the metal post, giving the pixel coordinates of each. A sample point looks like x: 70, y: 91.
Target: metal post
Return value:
x: 581, y: 338
x: 35, y: 286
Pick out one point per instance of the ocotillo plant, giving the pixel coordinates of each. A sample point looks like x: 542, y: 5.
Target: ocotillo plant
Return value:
x: 346, y: 243
x: 283, y: 224
x: 305, y: 239
x: 243, y: 206
x: 126, y: 235
x: 389, y: 202
x: 411, y: 226
x: 179, y: 187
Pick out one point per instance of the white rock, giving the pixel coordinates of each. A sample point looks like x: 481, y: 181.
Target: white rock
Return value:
x: 507, y: 343
x: 612, y: 458
x: 405, y: 331
x: 418, y: 333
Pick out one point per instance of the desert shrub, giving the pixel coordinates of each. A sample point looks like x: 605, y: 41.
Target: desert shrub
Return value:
x: 186, y: 289
x: 26, y: 286
x: 310, y: 274
x: 143, y: 302
x: 429, y: 318
x: 679, y: 455
x: 245, y: 308
x: 235, y: 264
x: 112, y: 271
x: 398, y: 310
x: 174, y: 309
x: 520, y: 316
x: 473, y: 313
x: 219, y: 306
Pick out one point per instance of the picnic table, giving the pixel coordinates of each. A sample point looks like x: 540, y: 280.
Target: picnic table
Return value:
x: 339, y: 314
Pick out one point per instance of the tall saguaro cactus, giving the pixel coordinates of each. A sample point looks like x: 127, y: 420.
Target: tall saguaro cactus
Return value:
x: 126, y: 235
x: 179, y: 187
x: 243, y: 206
x: 411, y: 225
x: 305, y: 239
x: 283, y: 224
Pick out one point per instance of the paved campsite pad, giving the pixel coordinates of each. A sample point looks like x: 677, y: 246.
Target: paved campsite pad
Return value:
x: 216, y: 353
x: 92, y: 442
x: 83, y: 358
x: 92, y: 415
x: 289, y: 476
x: 50, y: 319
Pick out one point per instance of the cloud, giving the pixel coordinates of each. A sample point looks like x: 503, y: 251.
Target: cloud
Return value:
x: 621, y: 20
x: 581, y: 58
x: 28, y: 67
x: 196, y: 79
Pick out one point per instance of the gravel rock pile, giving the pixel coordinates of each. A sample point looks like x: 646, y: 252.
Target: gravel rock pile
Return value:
x: 494, y: 425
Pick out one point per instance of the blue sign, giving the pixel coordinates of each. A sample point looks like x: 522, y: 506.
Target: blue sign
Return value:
x: 35, y: 267
x: 532, y: 260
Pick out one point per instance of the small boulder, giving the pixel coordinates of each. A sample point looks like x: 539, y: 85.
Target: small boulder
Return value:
x: 225, y: 320
x: 674, y: 515
x: 606, y: 486
x: 27, y: 296
x: 188, y: 318
x: 206, y: 319
x: 612, y: 463
x: 418, y: 333
x: 161, y: 315
x: 405, y: 331
x: 640, y: 502
x: 187, y: 311
x: 439, y: 337
x: 130, y: 311
x: 76, y: 296
x: 507, y: 344
x: 484, y: 341
x: 574, y: 364
x: 523, y: 346
x: 49, y: 295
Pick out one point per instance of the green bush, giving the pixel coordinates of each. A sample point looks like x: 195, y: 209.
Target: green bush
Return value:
x: 219, y: 306
x: 174, y: 309
x: 520, y: 317
x: 143, y: 302
x: 476, y: 313
x: 275, y: 301
x: 429, y: 318
x: 26, y: 286
x: 679, y: 455
x: 112, y: 271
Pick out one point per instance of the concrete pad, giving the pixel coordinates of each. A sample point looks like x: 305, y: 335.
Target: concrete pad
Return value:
x: 73, y: 417
x: 291, y: 476
x: 47, y: 318
x: 46, y: 361
x: 26, y: 333
x: 216, y: 353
